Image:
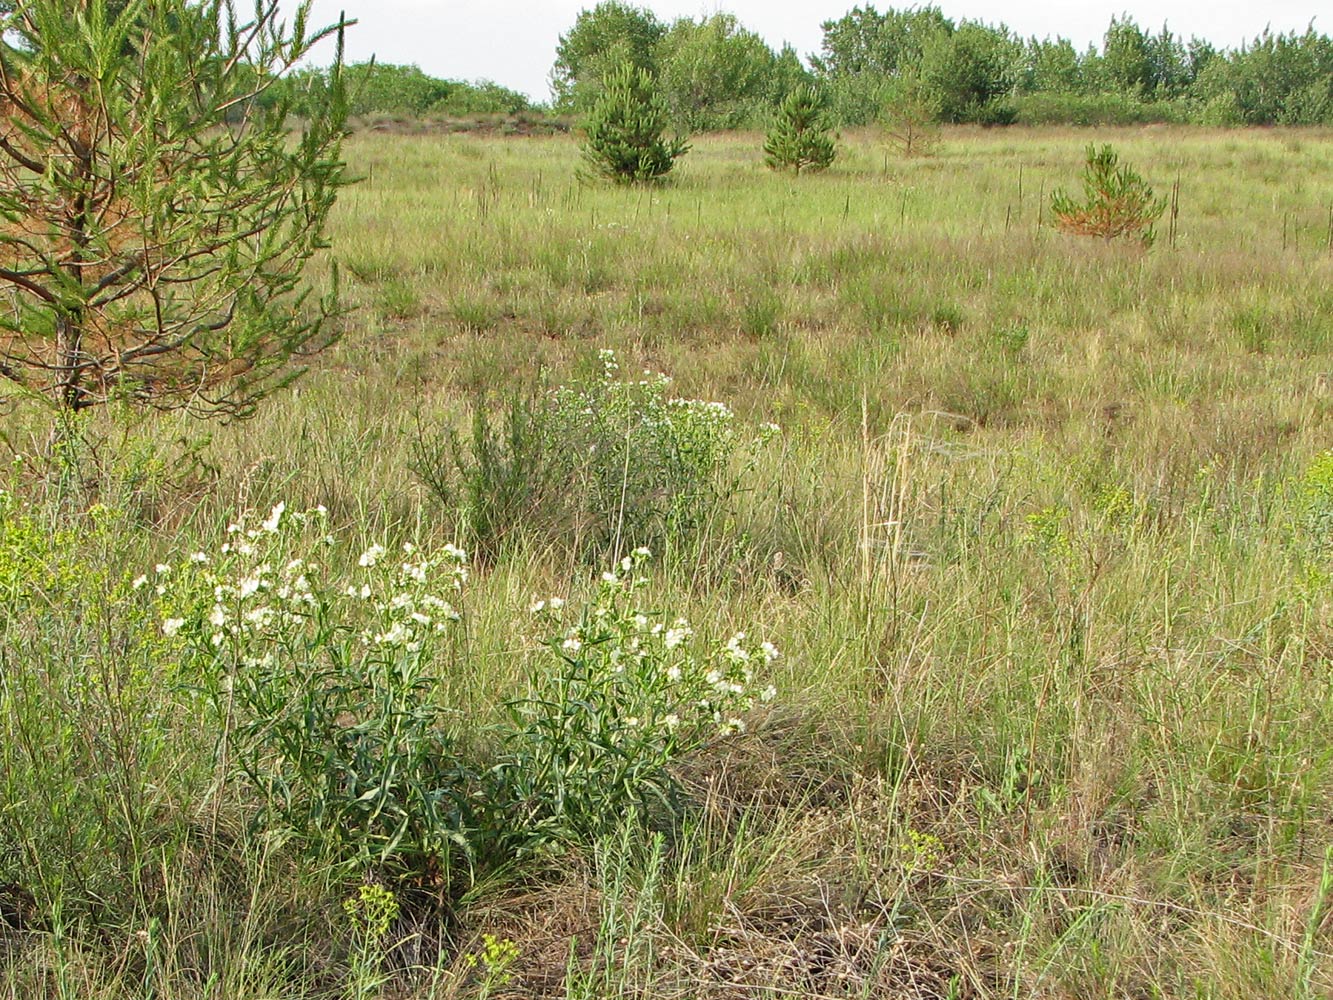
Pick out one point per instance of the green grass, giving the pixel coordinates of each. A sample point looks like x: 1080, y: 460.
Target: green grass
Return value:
x: 1044, y: 542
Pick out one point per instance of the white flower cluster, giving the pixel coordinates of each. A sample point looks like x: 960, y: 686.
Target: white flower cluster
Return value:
x: 260, y: 592
x: 651, y: 668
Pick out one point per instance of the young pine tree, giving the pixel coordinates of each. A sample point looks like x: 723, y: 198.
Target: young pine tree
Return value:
x: 156, y: 215
x: 911, y: 117
x: 625, y: 137
x: 1117, y: 201
x: 800, y: 137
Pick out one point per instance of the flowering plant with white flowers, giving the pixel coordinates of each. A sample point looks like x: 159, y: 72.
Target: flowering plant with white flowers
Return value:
x: 624, y: 694
x: 323, y: 679
x: 613, y: 461
x: 653, y: 466
x: 323, y: 684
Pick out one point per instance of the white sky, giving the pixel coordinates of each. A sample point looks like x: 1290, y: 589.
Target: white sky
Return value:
x: 513, y: 41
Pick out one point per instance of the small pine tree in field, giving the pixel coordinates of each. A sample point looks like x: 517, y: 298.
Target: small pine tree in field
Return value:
x: 625, y: 132
x: 911, y: 117
x: 800, y: 138
x: 1117, y: 201
x: 157, y: 216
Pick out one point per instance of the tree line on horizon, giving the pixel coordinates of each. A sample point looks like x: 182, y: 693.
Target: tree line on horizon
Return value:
x: 714, y: 74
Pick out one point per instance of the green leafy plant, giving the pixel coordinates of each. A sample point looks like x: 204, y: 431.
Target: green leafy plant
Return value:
x: 1116, y: 201
x: 625, y: 134
x: 156, y: 216
x: 613, y: 463
x: 502, y: 478
x: 630, y: 693
x: 800, y: 137
x: 323, y: 688
x: 493, y: 963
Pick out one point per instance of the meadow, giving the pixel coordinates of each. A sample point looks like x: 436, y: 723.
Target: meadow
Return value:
x: 1043, y: 541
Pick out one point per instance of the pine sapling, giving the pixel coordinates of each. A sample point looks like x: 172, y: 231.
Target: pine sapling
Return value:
x: 800, y: 137
x: 1117, y: 201
x: 625, y: 132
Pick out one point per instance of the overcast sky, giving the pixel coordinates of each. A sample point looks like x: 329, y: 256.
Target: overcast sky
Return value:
x: 513, y: 41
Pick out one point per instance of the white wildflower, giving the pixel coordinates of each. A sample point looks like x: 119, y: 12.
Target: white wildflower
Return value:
x: 678, y: 633
x: 172, y: 625
x: 396, y: 635
x: 139, y: 581
x: 270, y: 524
x: 371, y: 556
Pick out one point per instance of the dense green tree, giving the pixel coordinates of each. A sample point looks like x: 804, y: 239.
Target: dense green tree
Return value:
x: 483, y: 97
x: 1051, y: 66
x: 382, y: 88
x: 1199, y: 54
x: 864, y: 41
x: 155, y: 216
x: 970, y: 69
x: 788, y: 74
x: 376, y: 89
x: 800, y: 137
x: 601, y: 41
x: 1126, y: 58
x: 714, y: 73
x: 864, y: 51
x: 625, y: 134
x: 1276, y: 79
x: 1168, y: 65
